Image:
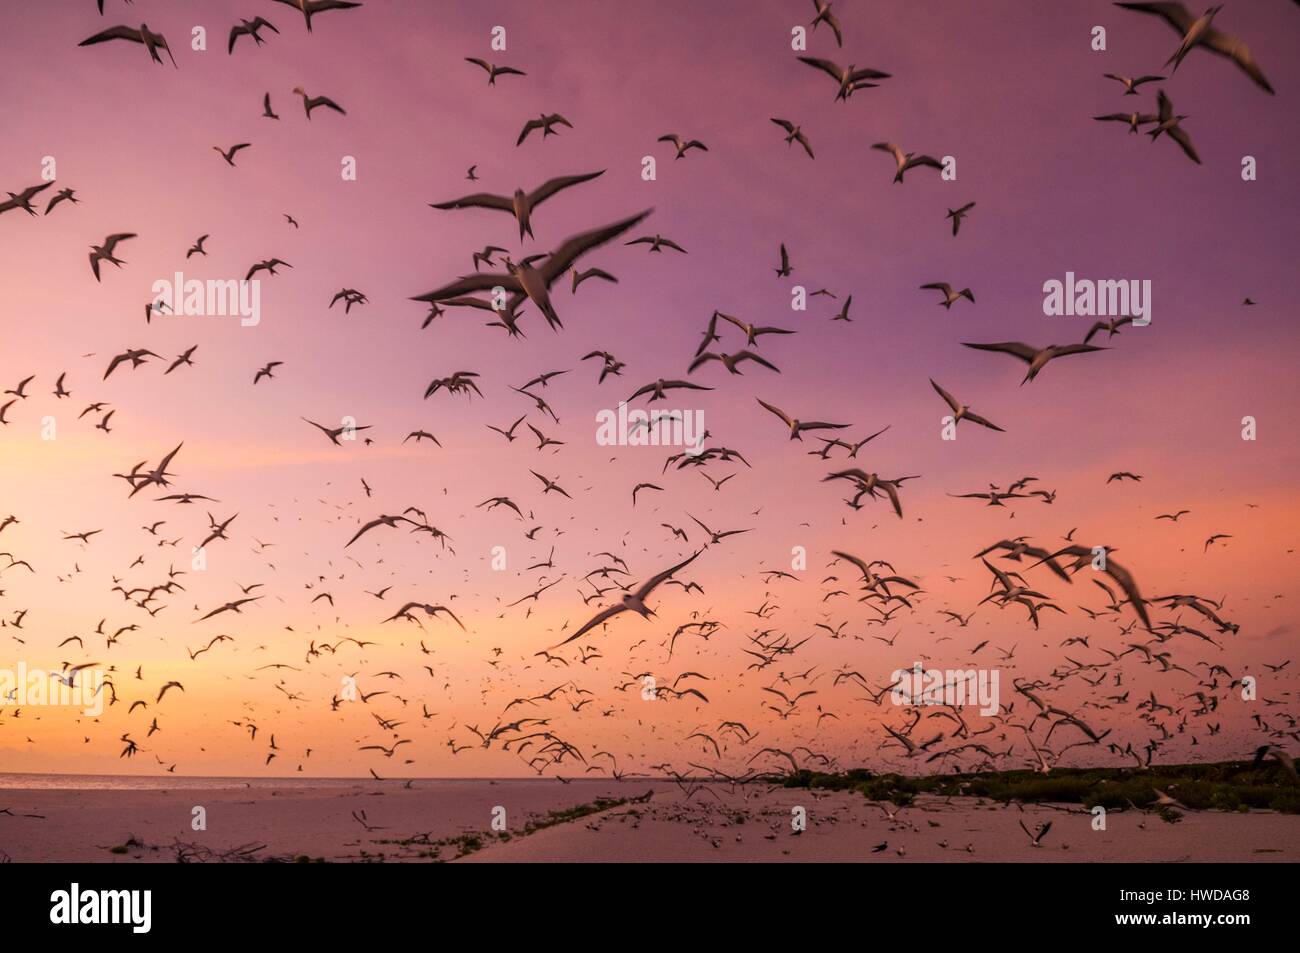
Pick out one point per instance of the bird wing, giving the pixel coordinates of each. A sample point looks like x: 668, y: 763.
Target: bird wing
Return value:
x: 1180, y: 136
x: 893, y: 149
x: 529, y: 127
x: 113, y: 33
x: 562, y: 258
x: 1165, y: 108
x: 892, y: 491
x: 477, y: 282
x: 111, y: 241
x: 649, y: 585
x: 1175, y: 14
x: 826, y: 66
x: 1237, y: 51
x: 948, y: 398
x: 1014, y: 348
x: 595, y: 620
x: 1077, y: 349
x: 776, y: 410
x: 477, y: 200
x: 551, y: 186
x: 867, y: 73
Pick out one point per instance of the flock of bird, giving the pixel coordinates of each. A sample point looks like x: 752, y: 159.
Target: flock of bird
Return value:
x: 603, y: 662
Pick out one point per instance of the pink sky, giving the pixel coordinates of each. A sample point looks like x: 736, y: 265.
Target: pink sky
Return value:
x: 1006, y: 88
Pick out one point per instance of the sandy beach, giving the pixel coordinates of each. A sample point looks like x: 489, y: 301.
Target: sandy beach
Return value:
x: 547, y: 821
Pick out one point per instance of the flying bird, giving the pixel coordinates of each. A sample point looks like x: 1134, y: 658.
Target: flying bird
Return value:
x: 795, y: 134
x: 1166, y: 121
x: 229, y: 154
x: 104, y: 252
x: 312, y: 102
x: 249, y: 28
x: 544, y: 122
x: 848, y: 78
x: 23, y: 199
x: 1200, y: 32
x: 1036, y: 358
x: 310, y: 8
x: 521, y: 204
x: 632, y: 601
x: 493, y: 70
x: 153, y: 42
x: 906, y: 160
x: 526, y: 280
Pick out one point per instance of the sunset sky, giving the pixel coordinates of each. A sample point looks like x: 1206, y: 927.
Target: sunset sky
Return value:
x: 1007, y: 88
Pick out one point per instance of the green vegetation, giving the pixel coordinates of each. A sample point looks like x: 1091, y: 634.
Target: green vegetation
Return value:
x: 572, y: 814
x: 1225, y: 786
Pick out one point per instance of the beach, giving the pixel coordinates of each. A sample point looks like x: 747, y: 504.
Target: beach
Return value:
x: 599, y: 821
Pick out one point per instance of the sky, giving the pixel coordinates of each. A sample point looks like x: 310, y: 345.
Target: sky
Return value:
x: 1007, y: 90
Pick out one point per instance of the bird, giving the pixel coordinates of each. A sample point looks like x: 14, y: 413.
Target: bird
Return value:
x: 249, y: 28
x: 526, y: 280
x: 683, y: 146
x: 268, y: 265
x: 730, y: 361
x: 22, y: 384
x: 350, y: 296
x: 1131, y: 83
x: 197, y: 248
x: 309, y: 8
x: 1133, y: 120
x: 657, y: 243
x: 63, y: 195
x: 1200, y: 32
x: 23, y: 199
x: 1036, y: 358
x: 544, y: 122
x: 550, y: 485
x: 229, y: 154
x: 825, y: 15
x: 1279, y: 755
x: 961, y: 411
x: 312, y: 102
x: 266, y: 371
x: 104, y: 252
x: 153, y: 42
x: 267, y: 111
x: 797, y: 427
x: 632, y: 601
x: 335, y: 433
x: 848, y: 78
x: 580, y: 276
x: 1111, y: 327
x: 136, y: 356
x: 957, y: 215
x: 520, y: 205
x: 1036, y: 837
x: 795, y: 134
x: 494, y: 71
x: 1166, y: 121
x: 950, y: 297
x: 783, y: 270
x: 906, y: 160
